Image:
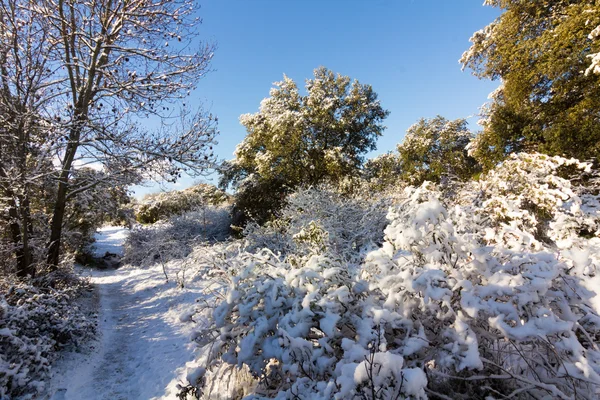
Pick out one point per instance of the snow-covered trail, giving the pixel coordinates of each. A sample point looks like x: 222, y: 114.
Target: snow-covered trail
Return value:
x: 142, y: 346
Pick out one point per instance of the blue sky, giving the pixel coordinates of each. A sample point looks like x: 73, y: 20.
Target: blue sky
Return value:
x: 407, y: 50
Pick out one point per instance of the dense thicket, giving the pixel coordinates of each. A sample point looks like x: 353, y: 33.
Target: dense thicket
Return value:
x: 489, y: 292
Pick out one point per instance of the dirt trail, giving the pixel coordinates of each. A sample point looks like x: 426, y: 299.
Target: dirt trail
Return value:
x: 142, y: 345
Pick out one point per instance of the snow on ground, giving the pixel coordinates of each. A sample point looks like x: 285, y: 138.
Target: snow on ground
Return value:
x: 109, y: 239
x: 142, y: 346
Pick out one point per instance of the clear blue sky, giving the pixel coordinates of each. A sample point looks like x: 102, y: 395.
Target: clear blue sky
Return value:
x: 408, y: 50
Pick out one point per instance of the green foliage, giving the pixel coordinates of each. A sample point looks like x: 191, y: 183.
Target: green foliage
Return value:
x: 432, y: 149
x: 295, y: 139
x: 383, y: 171
x: 540, y: 51
x: 159, y: 206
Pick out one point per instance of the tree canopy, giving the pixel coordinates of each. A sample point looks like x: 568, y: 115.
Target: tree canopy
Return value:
x: 297, y: 139
x: 540, y: 51
x: 76, y: 78
x: 433, y: 148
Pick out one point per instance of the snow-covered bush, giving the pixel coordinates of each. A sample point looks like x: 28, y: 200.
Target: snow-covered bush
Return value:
x: 35, y: 322
x: 176, y: 237
x: 322, y: 219
x: 475, y: 309
x: 552, y: 199
x: 491, y: 292
x: 160, y: 206
x: 304, y: 329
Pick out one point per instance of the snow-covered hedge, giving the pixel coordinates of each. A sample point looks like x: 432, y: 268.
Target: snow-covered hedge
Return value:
x: 490, y: 293
x: 35, y: 322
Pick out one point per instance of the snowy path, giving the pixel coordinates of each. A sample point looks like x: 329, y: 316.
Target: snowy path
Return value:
x: 110, y: 239
x: 142, y: 345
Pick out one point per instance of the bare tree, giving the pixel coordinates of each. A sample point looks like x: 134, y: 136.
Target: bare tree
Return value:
x: 107, y: 70
x: 25, y: 74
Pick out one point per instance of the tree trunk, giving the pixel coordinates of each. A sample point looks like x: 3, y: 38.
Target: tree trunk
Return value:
x: 27, y: 231
x: 56, y: 227
x: 15, y: 233
x: 22, y: 251
x: 53, y: 249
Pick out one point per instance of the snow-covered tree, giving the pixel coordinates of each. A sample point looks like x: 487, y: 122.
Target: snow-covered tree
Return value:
x: 383, y: 171
x: 296, y: 139
x: 540, y: 52
x: 124, y: 61
x: 434, y: 148
x: 88, y: 75
x: 25, y: 133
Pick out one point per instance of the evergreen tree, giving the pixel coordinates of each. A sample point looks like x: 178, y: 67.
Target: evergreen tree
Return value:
x: 540, y: 51
x: 434, y: 148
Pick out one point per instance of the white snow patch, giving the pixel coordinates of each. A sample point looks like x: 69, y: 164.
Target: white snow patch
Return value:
x: 143, y: 346
x: 109, y: 239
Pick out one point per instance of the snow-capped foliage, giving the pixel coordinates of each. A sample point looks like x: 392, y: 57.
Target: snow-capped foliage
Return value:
x: 594, y: 67
x: 296, y: 322
x: 321, y: 219
x: 552, y: 199
x: 36, y: 321
x: 490, y: 292
x: 482, y: 39
x: 175, y: 237
x: 304, y: 139
x: 382, y: 172
x: 436, y: 149
x: 296, y: 140
x: 155, y: 207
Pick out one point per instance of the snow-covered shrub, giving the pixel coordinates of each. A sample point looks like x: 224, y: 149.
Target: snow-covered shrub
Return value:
x: 35, y: 322
x: 491, y: 292
x: 536, y: 194
x: 160, y: 206
x: 319, y: 219
x: 483, y: 296
x: 305, y: 329
x: 471, y: 308
x: 175, y: 238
